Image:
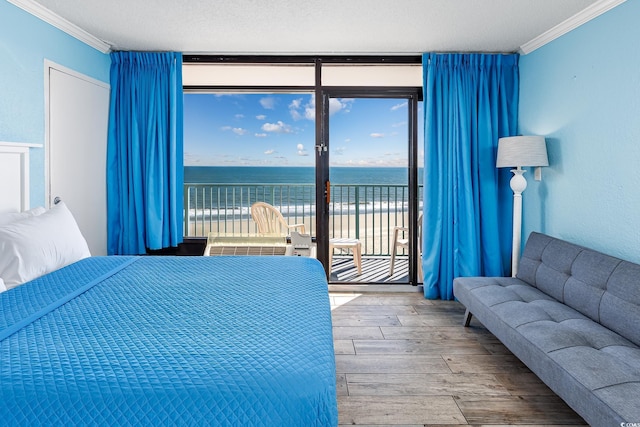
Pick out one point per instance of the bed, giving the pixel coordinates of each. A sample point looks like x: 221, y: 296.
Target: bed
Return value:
x: 153, y: 340
x: 170, y: 340
x: 149, y: 340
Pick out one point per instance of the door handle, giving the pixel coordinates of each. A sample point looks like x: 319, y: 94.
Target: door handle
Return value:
x: 327, y: 192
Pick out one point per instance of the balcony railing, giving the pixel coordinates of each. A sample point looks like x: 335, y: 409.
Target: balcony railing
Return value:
x: 365, y: 212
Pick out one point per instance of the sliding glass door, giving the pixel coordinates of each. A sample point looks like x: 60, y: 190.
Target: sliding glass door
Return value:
x: 371, y: 161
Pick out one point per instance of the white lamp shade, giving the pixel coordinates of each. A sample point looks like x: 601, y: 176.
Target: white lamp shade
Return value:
x: 514, y: 151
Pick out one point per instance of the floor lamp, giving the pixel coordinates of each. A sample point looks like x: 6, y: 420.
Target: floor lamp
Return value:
x: 519, y: 151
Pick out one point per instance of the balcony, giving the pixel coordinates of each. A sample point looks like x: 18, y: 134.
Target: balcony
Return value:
x: 365, y: 212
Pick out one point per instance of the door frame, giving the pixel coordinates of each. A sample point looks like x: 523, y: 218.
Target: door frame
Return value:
x: 412, y: 95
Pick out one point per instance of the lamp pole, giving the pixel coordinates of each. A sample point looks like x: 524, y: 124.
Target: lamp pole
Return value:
x: 518, y: 185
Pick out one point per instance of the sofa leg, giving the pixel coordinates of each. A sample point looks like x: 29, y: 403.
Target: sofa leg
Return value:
x: 467, y: 318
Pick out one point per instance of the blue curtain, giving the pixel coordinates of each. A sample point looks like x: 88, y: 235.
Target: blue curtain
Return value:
x: 144, y: 153
x: 470, y: 100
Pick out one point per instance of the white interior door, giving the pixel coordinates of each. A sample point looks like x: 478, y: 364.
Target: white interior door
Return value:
x: 76, y: 150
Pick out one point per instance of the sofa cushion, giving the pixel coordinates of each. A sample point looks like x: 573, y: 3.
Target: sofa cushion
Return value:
x: 511, y: 290
x: 620, y: 305
x: 517, y: 313
x: 618, y: 398
x: 546, y: 264
x: 595, y: 369
x: 553, y: 336
x: 588, y: 282
x: 604, y: 288
x: 532, y: 257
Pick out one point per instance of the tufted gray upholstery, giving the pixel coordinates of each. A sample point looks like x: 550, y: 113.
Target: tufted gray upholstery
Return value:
x: 572, y: 316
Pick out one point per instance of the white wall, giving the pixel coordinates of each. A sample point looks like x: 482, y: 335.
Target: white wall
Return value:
x: 582, y: 91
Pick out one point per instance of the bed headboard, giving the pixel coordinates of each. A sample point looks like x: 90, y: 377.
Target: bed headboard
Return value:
x: 14, y: 176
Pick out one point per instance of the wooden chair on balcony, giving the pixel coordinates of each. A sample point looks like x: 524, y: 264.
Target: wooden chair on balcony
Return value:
x: 401, y: 240
x: 270, y: 221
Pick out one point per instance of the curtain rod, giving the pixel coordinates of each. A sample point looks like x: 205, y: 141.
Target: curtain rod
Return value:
x: 301, y: 59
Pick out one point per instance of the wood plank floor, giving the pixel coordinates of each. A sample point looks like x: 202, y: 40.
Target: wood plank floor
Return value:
x: 375, y: 269
x: 402, y: 360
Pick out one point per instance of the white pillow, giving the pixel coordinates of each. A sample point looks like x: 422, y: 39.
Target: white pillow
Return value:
x: 8, y: 218
x: 40, y: 244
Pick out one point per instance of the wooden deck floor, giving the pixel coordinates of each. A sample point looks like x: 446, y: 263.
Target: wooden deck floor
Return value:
x: 374, y: 270
x: 404, y: 360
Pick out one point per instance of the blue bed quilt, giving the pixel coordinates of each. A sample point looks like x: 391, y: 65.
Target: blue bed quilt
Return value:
x: 170, y: 341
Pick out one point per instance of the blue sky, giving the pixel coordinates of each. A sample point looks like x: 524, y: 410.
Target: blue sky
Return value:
x: 278, y: 130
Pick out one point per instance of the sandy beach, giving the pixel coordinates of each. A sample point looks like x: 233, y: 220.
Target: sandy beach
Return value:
x: 375, y: 229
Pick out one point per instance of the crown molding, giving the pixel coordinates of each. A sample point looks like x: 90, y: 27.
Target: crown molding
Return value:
x: 62, y: 24
x: 584, y: 16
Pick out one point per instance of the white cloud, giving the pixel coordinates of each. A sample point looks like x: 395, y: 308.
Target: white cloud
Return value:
x: 308, y: 110
x: 268, y: 103
x: 239, y: 116
x: 278, y: 127
x: 337, y: 105
x: 300, y: 147
x: 301, y: 151
x: 260, y: 135
x: 352, y: 162
x: 340, y: 151
x: 399, y: 124
x: 345, y: 104
x: 295, y: 115
x: 237, y: 131
x: 299, y: 111
x: 377, y: 135
x: 399, y: 106
x: 269, y: 152
x: 261, y: 117
x: 294, y: 109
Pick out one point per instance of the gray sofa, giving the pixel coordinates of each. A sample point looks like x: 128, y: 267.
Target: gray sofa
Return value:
x: 572, y: 315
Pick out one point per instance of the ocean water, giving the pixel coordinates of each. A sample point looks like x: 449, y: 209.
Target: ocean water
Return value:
x: 229, y: 191
x: 292, y: 175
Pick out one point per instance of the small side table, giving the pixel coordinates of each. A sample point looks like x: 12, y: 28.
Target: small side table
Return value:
x: 346, y: 243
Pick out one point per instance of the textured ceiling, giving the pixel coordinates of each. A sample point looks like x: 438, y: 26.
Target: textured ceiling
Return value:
x: 316, y: 26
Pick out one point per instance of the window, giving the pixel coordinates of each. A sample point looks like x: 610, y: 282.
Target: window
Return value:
x: 251, y: 132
